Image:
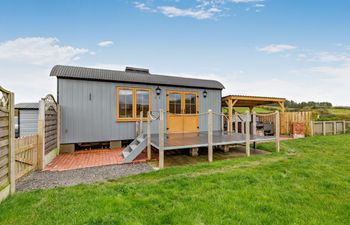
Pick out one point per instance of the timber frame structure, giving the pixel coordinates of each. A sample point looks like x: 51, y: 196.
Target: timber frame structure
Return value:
x: 231, y: 101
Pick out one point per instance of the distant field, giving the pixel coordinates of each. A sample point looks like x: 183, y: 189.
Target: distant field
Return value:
x: 325, y: 114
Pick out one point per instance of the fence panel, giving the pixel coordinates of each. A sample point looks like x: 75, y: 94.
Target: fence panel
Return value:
x: 291, y: 117
x: 26, y: 154
x: 48, y: 130
x: 7, y: 173
x: 330, y: 127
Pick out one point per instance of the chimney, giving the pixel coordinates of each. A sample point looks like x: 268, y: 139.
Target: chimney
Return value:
x: 136, y: 70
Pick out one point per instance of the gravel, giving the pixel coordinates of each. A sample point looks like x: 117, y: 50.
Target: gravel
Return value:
x: 48, y: 179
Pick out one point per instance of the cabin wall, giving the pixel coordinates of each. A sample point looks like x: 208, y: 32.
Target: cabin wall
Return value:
x: 28, y: 122
x: 85, y: 120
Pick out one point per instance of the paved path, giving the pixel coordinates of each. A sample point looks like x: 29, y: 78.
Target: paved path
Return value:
x: 51, y: 179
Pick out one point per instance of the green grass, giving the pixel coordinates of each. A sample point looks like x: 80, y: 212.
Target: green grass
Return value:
x: 307, y: 183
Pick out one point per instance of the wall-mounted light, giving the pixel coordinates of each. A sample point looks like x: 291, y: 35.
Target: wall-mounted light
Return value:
x: 158, y: 90
x: 205, y: 93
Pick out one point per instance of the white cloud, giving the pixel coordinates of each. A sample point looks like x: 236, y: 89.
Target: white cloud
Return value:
x: 275, y: 48
x: 105, y: 43
x: 199, y: 14
x: 199, y: 9
x: 26, y: 63
x: 142, y: 6
x: 38, y: 51
x: 246, y: 1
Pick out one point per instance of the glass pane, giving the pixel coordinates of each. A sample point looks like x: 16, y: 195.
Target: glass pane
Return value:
x: 125, y: 103
x: 175, y: 103
x: 190, y: 104
x: 142, y: 102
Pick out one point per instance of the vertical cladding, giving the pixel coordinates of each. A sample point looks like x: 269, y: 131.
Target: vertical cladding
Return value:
x: 28, y: 122
x: 86, y: 119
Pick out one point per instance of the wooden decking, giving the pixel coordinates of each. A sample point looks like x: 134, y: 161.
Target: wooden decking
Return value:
x: 200, y: 139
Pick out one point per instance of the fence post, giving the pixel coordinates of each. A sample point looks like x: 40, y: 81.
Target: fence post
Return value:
x: 277, y: 131
x: 12, y: 164
x: 254, y: 124
x: 161, y: 139
x: 149, y: 136
x: 58, y: 128
x: 344, y: 126
x: 236, y: 123
x: 210, y: 135
x: 324, y: 128
x: 41, y: 135
x: 335, y: 127
x: 247, y: 133
x: 311, y: 128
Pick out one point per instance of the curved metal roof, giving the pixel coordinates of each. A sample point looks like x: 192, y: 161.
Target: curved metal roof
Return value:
x: 27, y: 105
x: 83, y: 73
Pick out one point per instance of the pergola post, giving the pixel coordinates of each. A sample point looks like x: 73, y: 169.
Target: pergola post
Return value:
x: 149, y: 152
x: 210, y: 135
x: 277, y: 131
x: 247, y: 134
x: 283, y: 124
x: 161, y: 139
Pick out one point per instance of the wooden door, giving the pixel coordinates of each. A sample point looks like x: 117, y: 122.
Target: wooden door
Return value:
x: 182, y: 109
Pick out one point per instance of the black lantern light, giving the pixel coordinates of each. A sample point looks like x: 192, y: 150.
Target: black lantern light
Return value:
x: 158, y: 90
x: 205, y: 93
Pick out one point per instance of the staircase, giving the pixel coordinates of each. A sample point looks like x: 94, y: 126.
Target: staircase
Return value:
x: 134, y: 148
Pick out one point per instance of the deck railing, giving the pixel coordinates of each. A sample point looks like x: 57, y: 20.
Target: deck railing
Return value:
x: 246, y: 130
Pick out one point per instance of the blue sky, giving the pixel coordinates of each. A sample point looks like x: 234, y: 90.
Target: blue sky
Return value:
x: 297, y: 49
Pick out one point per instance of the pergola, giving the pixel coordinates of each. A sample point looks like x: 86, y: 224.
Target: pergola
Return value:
x: 231, y: 101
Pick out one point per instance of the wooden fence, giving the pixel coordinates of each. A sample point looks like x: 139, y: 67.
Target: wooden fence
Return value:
x: 7, y: 134
x: 329, y: 127
x: 48, y: 130
x: 26, y: 150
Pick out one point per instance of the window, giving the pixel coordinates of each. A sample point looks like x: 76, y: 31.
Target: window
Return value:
x: 190, y: 103
x: 142, y: 102
x: 175, y: 103
x: 125, y: 103
x: 130, y: 102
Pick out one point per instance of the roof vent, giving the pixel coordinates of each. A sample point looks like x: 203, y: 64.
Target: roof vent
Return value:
x: 136, y: 70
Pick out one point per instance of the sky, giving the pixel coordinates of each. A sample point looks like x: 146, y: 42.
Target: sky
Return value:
x: 296, y: 49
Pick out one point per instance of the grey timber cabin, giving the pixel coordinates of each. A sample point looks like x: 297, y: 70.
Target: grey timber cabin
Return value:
x: 99, y: 105
x: 27, y: 114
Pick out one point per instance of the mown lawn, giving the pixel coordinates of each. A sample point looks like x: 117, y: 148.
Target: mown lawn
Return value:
x: 307, y: 183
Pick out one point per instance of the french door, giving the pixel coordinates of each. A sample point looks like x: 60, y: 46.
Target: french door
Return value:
x: 182, y: 112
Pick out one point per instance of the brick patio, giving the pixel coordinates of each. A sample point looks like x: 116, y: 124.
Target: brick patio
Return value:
x: 90, y: 158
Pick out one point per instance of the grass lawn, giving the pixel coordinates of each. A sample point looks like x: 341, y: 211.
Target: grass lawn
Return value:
x: 307, y: 183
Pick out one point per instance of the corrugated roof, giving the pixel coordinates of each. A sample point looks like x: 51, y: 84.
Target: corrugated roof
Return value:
x: 74, y: 72
x: 27, y: 105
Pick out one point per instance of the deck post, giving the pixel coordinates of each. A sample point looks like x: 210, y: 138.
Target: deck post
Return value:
x: 242, y: 126
x: 222, y: 123
x: 236, y: 123
x: 141, y: 122
x: 247, y: 133
x: 149, y: 156
x: 230, y: 116
x: 277, y: 130
x: 254, y: 124
x: 161, y: 139
x: 210, y: 135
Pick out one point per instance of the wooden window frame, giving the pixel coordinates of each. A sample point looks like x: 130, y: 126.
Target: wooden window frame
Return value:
x: 134, y: 117
x: 183, y: 103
